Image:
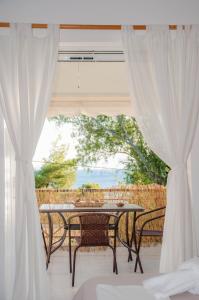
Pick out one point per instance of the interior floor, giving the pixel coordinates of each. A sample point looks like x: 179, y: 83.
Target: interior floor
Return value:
x: 90, y: 264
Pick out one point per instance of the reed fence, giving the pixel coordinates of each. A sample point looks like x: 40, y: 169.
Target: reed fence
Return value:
x: 147, y: 196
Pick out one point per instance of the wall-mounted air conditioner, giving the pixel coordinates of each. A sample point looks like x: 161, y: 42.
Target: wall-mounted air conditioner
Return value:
x: 91, y: 56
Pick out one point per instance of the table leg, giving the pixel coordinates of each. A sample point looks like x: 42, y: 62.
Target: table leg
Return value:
x: 133, y: 237
x: 50, y: 242
x: 69, y: 248
x: 44, y: 240
x: 128, y: 244
x: 133, y: 234
x: 51, y: 248
x: 127, y: 237
x: 62, y: 239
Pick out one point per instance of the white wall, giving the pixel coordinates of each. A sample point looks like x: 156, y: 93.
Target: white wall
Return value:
x: 101, y: 11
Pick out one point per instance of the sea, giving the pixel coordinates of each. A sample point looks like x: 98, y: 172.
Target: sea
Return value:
x: 105, y: 178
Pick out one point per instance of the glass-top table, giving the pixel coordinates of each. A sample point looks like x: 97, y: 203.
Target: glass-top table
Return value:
x: 106, y: 207
x: 111, y: 207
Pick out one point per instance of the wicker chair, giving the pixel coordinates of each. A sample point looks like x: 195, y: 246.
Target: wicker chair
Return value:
x: 142, y: 231
x: 94, y: 231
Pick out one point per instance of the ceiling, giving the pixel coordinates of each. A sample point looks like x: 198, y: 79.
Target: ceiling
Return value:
x: 101, y: 12
x: 95, y: 78
x: 91, y: 88
x: 103, y: 87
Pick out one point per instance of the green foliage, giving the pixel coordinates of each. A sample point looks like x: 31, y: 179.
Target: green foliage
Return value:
x: 90, y: 185
x: 103, y: 136
x: 56, y: 172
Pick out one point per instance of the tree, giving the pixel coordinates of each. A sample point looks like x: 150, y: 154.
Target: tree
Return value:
x: 90, y: 185
x: 103, y: 136
x: 56, y: 172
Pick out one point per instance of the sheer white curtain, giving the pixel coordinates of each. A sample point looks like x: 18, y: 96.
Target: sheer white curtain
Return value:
x: 163, y: 70
x: 27, y: 64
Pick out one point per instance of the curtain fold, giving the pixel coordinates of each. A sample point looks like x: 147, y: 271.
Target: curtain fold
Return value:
x: 2, y: 210
x: 27, y: 66
x: 163, y: 69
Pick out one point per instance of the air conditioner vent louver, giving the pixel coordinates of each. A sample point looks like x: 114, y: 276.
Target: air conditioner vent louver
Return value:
x: 81, y: 58
x: 75, y: 58
x: 87, y: 56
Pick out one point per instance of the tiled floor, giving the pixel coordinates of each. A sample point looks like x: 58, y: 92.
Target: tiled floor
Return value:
x: 90, y: 264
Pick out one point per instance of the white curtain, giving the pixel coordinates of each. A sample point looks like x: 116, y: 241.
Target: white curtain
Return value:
x: 163, y: 70
x: 27, y: 65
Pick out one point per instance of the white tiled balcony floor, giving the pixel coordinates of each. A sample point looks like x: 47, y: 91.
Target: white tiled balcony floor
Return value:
x: 90, y: 264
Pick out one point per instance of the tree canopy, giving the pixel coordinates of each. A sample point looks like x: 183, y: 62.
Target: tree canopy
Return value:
x: 103, y: 136
x: 56, y: 171
x: 90, y: 185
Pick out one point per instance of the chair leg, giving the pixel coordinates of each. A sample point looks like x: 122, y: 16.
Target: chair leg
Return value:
x: 140, y: 264
x: 69, y: 251
x: 73, y: 270
x: 115, y: 269
x: 115, y: 262
x: 114, y: 256
x: 138, y: 261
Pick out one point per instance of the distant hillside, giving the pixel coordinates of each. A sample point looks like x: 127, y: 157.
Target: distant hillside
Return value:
x: 105, y: 178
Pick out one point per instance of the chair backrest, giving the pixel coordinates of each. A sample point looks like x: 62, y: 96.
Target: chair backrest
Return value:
x: 94, y: 229
x: 148, y: 218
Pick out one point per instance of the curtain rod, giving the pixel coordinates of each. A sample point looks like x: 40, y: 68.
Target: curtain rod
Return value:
x: 88, y: 26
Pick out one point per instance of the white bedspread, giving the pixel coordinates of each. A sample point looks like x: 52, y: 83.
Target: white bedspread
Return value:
x: 186, y: 278
x: 88, y: 290
x: 122, y: 292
